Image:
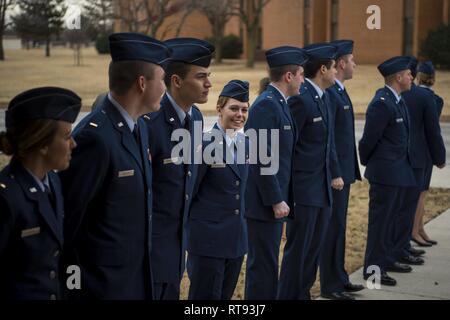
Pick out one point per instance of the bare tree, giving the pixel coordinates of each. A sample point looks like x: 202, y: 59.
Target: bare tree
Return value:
x: 128, y: 12
x: 218, y: 14
x: 250, y: 13
x: 4, y: 6
x: 148, y: 16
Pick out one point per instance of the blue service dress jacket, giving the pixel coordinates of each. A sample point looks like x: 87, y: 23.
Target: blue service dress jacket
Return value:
x: 385, y: 145
x: 216, y: 225
x: 344, y: 137
x: 108, y: 205
x: 315, y: 159
x: 172, y: 190
x: 426, y: 140
x: 270, y: 111
x: 31, y: 237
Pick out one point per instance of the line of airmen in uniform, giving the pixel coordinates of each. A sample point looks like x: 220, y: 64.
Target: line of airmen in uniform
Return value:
x: 124, y: 211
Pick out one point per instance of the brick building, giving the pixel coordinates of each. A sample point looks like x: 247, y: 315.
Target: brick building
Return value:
x: 404, y: 25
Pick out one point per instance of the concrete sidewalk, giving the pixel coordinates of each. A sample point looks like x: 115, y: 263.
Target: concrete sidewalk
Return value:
x: 430, y: 281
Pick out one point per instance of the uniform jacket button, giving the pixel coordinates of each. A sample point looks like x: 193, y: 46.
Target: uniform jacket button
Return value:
x: 52, y: 274
x: 237, y: 183
x: 237, y: 197
x: 56, y: 254
x: 189, y: 173
x: 187, y: 197
x: 53, y: 297
x: 236, y: 211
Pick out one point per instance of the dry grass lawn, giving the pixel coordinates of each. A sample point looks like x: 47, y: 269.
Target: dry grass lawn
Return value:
x: 438, y: 201
x: 26, y: 69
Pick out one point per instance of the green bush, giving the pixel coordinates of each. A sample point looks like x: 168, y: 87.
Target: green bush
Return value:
x: 231, y: 46
x: 436, y: 47
x: 102, y: 44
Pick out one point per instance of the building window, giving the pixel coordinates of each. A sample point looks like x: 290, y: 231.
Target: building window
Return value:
x: 408, y: 27
x: 307, y: 22
x: 334, y: 19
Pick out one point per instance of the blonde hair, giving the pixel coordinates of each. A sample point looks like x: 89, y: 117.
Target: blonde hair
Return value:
x: 21, y: 140
x: 426, y: 79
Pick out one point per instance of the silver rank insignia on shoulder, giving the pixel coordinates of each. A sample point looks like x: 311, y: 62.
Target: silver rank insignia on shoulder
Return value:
x: 317, y: 97
x: 382, y: 98
x: 2, y: 185
x: 33, y: 190
x: 147, y: 117
x: 120, y: 124
x: 103, y: 111
x: 93, y: 124
x: 171, y: 119
x: 269, y: 97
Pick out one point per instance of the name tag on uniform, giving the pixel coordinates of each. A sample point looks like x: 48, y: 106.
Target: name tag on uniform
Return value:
x: 30, y: 232
x: 170, y: 160
x: 346, y: 107
x: 318, y: 119
x: 218, y: 165
x: 287, y: 127
x: 126, y: 173
x: 399, y: 120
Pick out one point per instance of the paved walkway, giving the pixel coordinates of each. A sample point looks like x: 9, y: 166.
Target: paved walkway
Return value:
x: 430, y: 281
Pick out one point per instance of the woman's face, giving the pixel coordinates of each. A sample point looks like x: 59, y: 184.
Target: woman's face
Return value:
x: 58, y: 152
x: 233, y: 115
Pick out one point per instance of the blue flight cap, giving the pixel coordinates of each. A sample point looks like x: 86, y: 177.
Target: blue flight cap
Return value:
x: 191, y: 51
x: 43, y: 103
x: 343, y: 47
x: 321, y: 51
x: 128, y: 46
x: 286, y: 55
x: 394, y: 65
x: 236, y: 89
x: 427, y: 68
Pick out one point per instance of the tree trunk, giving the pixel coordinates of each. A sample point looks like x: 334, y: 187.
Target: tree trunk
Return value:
x: 219, y: 31
x: 47, y: 47
x: 251, y: 47
x: 2, y: 52
x: 218, y: 52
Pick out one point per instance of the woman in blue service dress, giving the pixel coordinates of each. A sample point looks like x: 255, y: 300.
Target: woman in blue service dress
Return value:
x: 216, y: 228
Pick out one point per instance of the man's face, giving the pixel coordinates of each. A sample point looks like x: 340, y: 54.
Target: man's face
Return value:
x: 194, y: 88
x: 405, y: 79
x: 329, y: 75
x: 349, y: 66
x: 297, y: 79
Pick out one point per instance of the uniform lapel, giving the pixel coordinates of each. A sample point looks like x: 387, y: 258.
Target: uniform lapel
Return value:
x: 58, y: 199
x: 280, y: 99
x: 226, y: 153
x: 317, y: 100
x: 33, y: 192
x: 128, y: 140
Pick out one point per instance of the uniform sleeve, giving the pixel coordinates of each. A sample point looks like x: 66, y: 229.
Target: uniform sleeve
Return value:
x: 334, y: 160
x: 265, y: 117
x: 377, y: 118
x: 433, y: 133
x: 6, y: 226
x: 83, y: 180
